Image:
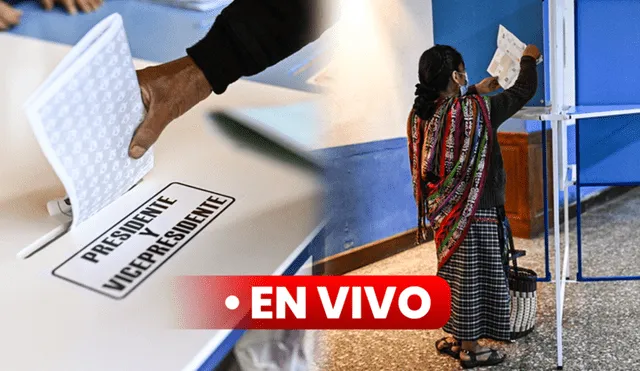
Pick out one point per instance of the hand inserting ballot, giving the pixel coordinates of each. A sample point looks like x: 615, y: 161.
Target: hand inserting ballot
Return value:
x: 168, y: 91
x: 248, y: 36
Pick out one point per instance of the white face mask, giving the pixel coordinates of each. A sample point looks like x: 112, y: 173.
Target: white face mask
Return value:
x: 465, y: 88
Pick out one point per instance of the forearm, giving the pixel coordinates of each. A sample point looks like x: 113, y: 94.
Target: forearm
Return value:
x: 507, y: 103
x: 252, y: 35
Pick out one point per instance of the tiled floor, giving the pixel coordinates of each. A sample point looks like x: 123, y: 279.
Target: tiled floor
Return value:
x: 601, y: 322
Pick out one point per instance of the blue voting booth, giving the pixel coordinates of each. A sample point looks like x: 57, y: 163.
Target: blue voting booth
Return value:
x: 607, y: 148
x: 603, y: 146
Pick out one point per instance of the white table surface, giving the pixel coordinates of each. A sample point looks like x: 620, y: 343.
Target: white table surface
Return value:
x: 50, y: 324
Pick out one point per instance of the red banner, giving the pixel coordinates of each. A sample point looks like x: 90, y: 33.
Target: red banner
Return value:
x: 313, y: 302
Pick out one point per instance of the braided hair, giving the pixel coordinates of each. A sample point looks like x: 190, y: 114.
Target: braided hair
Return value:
x: 434, y: 71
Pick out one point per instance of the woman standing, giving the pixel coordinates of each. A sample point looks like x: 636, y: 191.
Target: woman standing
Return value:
x: 459, y: 186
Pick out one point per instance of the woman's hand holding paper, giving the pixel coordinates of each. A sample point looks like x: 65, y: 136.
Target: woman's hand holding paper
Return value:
x: 531, y: 51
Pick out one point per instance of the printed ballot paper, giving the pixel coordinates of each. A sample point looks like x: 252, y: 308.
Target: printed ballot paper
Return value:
x: 505, y: 64
x: 84, y: 116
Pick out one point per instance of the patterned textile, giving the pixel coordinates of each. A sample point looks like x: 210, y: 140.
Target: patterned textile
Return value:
x: 449, y: 161
x: 480, y: 299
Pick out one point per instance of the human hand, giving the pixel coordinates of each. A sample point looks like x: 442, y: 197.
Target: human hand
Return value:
x: 72, y: 6
x: 9, y: 16
x: 168, y: 91
x: 488, y: 85
x: 531, y: 51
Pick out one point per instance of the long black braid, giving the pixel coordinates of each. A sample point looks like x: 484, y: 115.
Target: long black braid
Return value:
x: 434, y: 71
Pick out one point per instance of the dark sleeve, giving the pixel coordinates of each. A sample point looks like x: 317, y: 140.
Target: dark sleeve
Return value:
x: 251, y: 35
x: 472, y: 90
x: 510, y: 101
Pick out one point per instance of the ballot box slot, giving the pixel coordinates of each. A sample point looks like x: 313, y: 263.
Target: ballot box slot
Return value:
x: 61, y: 210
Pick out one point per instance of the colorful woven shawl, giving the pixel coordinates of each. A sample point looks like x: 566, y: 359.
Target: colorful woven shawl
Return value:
x: 449, y: 162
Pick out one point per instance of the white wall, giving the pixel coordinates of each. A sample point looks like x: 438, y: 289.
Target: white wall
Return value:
x: 374, y: 69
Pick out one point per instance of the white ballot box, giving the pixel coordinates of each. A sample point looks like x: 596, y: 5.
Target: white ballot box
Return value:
x: 83, y: 301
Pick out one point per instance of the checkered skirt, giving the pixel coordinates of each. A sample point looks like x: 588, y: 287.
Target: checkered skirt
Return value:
x: 480, y: 300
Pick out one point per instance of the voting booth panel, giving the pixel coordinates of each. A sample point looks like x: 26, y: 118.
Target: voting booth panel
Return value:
x: 607, y: 38
x: 607, y: 155
x: 607, y: 33
x: 607, y: 145
x: 609, y: 151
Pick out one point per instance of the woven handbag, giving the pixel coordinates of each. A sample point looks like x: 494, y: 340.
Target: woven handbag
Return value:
x: 523, y: 290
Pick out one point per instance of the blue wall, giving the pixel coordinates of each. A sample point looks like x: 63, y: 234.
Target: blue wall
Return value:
x: 472, y: 28
x: 370, y: 196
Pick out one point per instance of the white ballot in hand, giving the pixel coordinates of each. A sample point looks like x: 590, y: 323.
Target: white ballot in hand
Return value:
x: 505, y: 64
x: 84, y: 116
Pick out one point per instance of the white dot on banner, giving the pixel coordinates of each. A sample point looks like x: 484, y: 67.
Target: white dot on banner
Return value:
x: 232, y: 302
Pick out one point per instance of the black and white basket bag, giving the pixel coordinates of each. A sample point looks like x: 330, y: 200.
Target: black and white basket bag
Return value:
x: 523, y: 290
